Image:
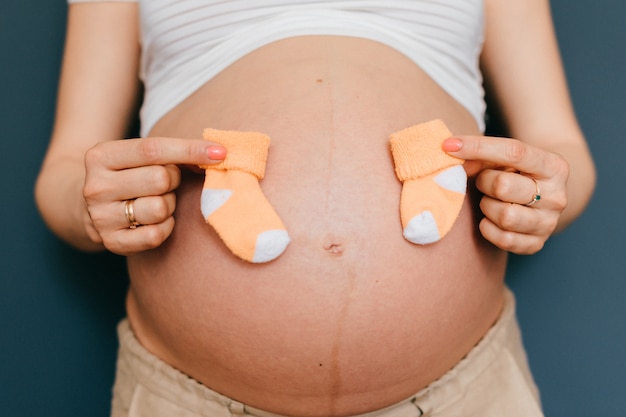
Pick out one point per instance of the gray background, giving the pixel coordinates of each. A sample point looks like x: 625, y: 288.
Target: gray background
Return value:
x: 59, y: 307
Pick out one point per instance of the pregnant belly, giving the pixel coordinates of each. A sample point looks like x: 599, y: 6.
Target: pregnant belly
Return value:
x: 351, y: 317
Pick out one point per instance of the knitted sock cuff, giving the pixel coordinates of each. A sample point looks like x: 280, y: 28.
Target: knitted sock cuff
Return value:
x: 417, y: 151
x: 245, y: 151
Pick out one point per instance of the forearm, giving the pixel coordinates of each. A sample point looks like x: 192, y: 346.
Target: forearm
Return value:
x: 97, y: 97
x: 59, y: 197
x: 524, y: 71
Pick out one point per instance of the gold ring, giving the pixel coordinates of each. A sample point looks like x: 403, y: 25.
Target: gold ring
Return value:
x: 129, y: 211
x: 536, y: 196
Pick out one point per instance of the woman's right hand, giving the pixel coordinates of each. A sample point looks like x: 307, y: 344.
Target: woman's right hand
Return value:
x: 144, y: 173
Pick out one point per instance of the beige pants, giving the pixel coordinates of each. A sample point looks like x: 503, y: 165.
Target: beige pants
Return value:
x: 493, y: 380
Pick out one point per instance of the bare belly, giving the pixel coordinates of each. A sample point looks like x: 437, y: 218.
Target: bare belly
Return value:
x: 351, y: 317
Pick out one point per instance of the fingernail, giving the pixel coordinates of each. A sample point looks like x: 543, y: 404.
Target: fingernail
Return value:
x: 216, y: 152
x: 452, y: 145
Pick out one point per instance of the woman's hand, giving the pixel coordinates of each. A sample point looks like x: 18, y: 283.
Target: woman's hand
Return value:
x: 524, y: 187
x: 134, y: 180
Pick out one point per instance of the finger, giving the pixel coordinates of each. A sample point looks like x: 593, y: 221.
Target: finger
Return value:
x: 506, y: 186
x: 520, y: 219
x: 146, y: 181
x: 130, y: 241
x: 156, y: 151
x: 518, y: 243
x: 498, y: 152
x: 127, y: 184
x: 512, y: 217
x: 150, y: 210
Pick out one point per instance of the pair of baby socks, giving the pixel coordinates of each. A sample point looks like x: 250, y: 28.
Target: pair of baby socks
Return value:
x: 433, y: 190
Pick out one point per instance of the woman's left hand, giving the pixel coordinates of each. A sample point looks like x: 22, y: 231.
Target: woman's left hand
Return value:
x: 524, y: 187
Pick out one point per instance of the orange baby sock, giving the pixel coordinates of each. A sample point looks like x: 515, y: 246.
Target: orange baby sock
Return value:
x: 233, y: 202
x: 433, y: 182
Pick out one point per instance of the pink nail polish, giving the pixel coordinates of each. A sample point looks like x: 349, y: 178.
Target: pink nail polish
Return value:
x: 216, y: 153
x: 452, y: 145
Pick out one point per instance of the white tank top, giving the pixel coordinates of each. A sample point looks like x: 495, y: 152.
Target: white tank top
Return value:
x: 185, y: 43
